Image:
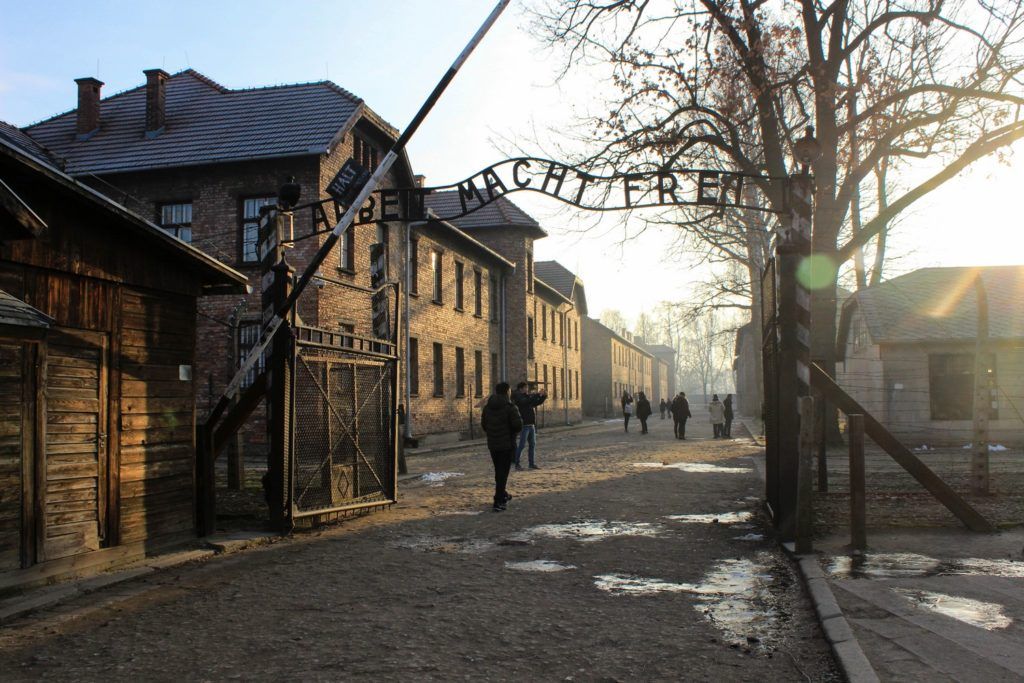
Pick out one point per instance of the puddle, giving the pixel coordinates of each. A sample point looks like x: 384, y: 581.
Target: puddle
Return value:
x: 438, y: 478
x: 902, y: 565
x: 546, y: 566
x: 464, y: 513
x: 749, y: 537
x: 589, y: 530
x: 734, y: 596
x: 716, y: 518
x: 700, y: 467
x: 434, y: 544
x: 986, y: 615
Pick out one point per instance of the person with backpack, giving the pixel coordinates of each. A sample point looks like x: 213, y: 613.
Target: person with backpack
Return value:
x: 680, y: 414
x: 501, y: 423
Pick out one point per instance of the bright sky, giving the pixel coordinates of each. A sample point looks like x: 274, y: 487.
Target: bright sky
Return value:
x: 391, y: 54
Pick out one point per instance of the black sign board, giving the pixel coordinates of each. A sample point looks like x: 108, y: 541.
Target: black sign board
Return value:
x: 348, y: 182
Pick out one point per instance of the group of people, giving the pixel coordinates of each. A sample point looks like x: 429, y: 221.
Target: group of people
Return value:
x: 509, y: 420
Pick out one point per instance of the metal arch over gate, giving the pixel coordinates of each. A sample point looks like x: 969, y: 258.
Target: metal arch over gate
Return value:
x: 342, y: 435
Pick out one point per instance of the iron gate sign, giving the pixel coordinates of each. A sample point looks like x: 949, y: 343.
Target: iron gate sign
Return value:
x: 658, y: 187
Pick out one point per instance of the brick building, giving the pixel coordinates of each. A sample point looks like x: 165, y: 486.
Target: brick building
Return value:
x: 663, y: 382
x: 542, y: 305
x: 613, y: 363
x: 201, y: 159
x: 455, y: 351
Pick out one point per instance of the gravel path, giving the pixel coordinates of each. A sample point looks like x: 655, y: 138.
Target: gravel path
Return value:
x: 608, y: 565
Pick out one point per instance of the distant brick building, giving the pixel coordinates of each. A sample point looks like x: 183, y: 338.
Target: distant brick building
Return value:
x: 612, y: 364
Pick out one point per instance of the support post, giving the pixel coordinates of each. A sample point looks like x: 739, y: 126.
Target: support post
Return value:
x: 805, y: 492
x: 822, y: 438
x: 278, y: 401
x: 858, y: 501
x: 207, y: 481
x: 982, y: 396
x: 787, y: 391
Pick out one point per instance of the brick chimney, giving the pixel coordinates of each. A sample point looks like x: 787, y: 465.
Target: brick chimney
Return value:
x: 156, y: 113
x: 420, y: 180
x: 88, y: 106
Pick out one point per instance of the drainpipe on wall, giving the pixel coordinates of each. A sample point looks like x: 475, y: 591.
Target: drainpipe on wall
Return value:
x: 504, y: 331
x: 565, y: 363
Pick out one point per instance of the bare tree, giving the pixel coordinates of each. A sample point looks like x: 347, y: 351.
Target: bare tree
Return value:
x: 613, y: 320
x: 888, y: 85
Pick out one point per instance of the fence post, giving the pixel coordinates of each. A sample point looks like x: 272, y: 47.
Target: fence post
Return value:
x: 858, y: 504
x: 982, y: 396
x: 805, y: 493
x: 278, y: 401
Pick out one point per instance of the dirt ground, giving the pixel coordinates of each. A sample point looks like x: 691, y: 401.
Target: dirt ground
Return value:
x: 431, y: 589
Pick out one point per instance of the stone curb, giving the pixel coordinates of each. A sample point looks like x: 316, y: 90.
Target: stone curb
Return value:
x: 48, y: 596
x: 845, y: 647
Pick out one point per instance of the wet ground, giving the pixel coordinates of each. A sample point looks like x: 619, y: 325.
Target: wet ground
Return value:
x: 936, y: 606
x: 626, y: 557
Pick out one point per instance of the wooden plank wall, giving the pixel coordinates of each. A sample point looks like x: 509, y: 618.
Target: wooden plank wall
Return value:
x: 157, y: 415
x: 11, y: 427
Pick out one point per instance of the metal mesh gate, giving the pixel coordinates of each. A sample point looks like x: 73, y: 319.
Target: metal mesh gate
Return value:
x: 343, y: 452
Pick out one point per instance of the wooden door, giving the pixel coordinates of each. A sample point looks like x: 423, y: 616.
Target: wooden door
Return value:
x: 74, y: 493
x: 12, y: 452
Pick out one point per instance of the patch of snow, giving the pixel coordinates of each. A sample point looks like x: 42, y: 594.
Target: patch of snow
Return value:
x: 438, y: 478
x: 546, y: 566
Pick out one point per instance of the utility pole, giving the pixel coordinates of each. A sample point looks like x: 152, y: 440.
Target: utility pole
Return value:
x: 982, y: 394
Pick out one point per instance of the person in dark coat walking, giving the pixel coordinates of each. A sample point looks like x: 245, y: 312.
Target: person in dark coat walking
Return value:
x: 663, y: 407
x: 501, y: 423
x: 727, y: 404
x: 627, y: 408
x: 527, y: 403
x: 680, y: 414
x: 643, y: 411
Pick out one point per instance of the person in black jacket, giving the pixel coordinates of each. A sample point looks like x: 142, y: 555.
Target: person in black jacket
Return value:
x: 663, y: 406
x: 527, y: 403
x: 643, y: 410
x: 501, y: 423
x: 680, y: 413
x: 727, y: 404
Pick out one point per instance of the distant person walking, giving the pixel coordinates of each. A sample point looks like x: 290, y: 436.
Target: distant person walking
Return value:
x: 501, y: 423
x: 627, y: 408
x: 680, y: 414
x: 717, y: 413
x: 728, y: 415
x: 527, y: 403
x: 663, y: 407
x: 643, y: 411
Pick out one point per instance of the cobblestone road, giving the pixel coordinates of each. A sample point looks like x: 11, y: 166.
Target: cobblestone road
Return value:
x: 626, y: 557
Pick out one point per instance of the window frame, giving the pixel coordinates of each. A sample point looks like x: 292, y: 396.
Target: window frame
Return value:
x: 174, y: 228
x: 437, y: 275
x: 413, y: 355
x: 414, y: 266
x: 460, y: 372
x: 494, y: 298
x: 247, y: 221
x: 438, y: 363
x: 460, y: 286
x: 478, y: 293
x: 478, y: 373
x: 244, y: 347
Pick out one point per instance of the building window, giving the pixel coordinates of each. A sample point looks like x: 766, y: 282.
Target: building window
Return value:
x: 176, y: 220
x: 478, y: 373
x: 554, y: 383
x: 553, y: 327
x: 478, y: 294
x: 414, y: 366
x: 414, y: 266
x: 543, y: 322
x: 545, y: 375
x: 251, y: 226
x: 494, y: 369
x: 383, y: 238
x: 347, y: 329
x: 460, y: 372
x: 951, y: 386
x: 531, y: 332
x: 460, y: 294
x: 576, y: 329
x: 577, y: 384
x: 561, y: 329
x: 860, y: 335
x: 347, y: 254
x: 248, y: 337
x: 436, y: 274
x: 363, y: 153
x: 438, y: 370
x: 495, y: 306
x: 529, y: 271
